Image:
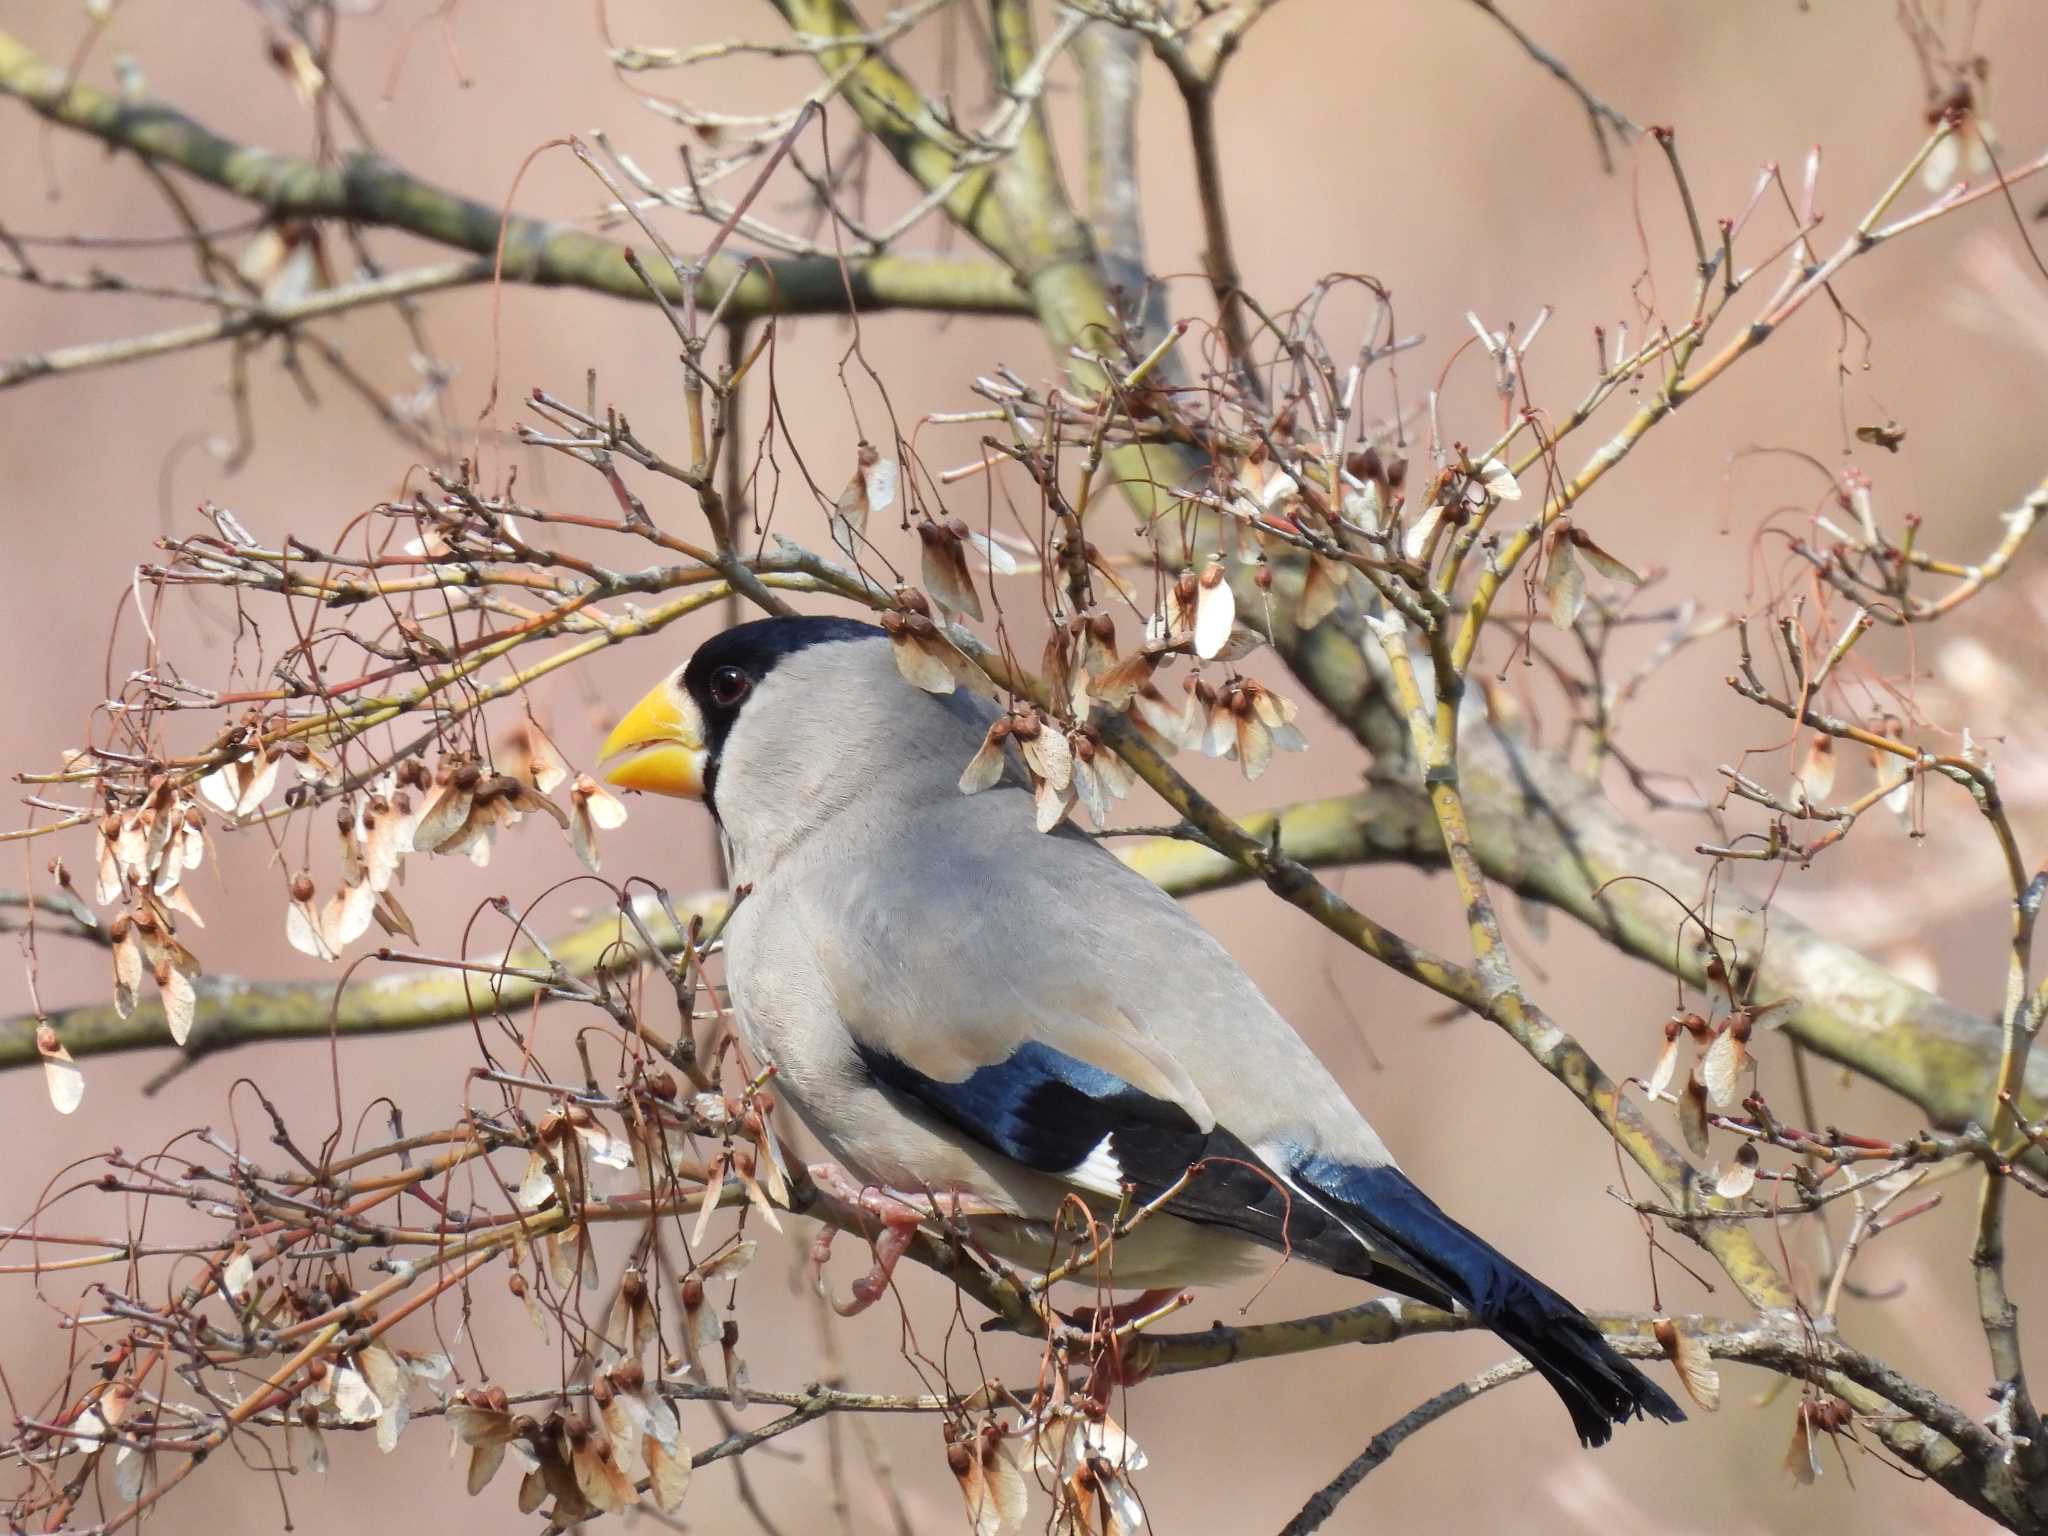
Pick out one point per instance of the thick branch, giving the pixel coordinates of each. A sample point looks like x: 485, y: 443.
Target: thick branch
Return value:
x: 366, y: 190
x: 232, y: 1011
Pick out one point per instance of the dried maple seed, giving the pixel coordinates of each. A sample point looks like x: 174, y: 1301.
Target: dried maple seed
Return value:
x: 302, y: 888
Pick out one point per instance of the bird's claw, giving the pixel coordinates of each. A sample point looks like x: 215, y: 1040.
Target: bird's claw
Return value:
x: 899, y: 1220
x: 890, y: 1245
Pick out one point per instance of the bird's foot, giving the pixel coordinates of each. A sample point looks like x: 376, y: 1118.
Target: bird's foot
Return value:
x: 890, y: 1244
x: 900, y: 1216
x: 841, y: 1187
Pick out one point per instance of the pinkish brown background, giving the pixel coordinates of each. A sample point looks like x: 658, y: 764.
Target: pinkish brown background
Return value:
x: 1413, y: 142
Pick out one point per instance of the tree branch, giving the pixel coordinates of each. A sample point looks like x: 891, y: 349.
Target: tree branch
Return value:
x: 1598, y: 113
x: 367, y: 190
x: 1963, y: 1455
x: 232, y: 1011
x: 28, y: 366
x: 1324, y: 1501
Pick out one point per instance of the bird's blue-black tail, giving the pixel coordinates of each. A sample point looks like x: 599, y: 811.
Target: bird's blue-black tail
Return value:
x: 1408, y: 1232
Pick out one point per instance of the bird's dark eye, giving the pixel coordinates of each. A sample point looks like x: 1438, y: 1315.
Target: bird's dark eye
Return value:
x: 728, y: 686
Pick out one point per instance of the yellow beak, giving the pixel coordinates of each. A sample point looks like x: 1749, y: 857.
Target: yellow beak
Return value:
x: 664, y: 734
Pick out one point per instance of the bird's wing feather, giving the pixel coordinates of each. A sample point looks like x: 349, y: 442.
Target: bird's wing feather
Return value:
x: 1097, y: 1133
x: 1112, y: 1045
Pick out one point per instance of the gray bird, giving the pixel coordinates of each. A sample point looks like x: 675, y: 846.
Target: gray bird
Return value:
x: 963, y: 1008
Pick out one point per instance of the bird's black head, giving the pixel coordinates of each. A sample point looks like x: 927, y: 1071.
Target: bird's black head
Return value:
x: 678, y: 731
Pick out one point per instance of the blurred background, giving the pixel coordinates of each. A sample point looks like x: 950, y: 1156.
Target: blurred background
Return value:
x: 1415, y: 143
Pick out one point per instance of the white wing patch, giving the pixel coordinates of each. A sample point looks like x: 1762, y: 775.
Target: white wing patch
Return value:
x: 1099, y: 1172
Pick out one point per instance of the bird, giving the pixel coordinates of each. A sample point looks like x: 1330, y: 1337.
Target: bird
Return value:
x: 960, y: 1006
